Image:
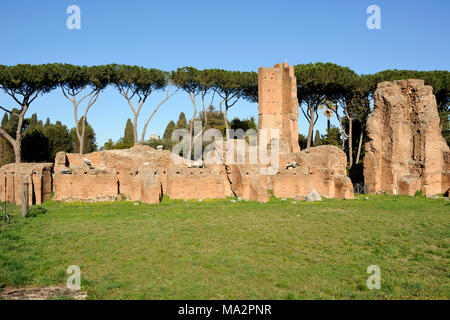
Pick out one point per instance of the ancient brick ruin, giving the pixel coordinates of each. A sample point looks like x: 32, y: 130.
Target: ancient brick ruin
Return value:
x: 278, y: 104
x: 37, y: 176
x: 407, y: 152
x: 145, y: 174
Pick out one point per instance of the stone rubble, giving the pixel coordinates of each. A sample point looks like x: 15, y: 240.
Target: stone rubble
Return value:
x: 313, y: 196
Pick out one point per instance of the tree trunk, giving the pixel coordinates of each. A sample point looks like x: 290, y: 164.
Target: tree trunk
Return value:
x: 81, y: 144
x: 191, y: 127
x: 77, y: 129
x: 350, y: 142
x: 311, y: 127
x: 361, y: 136
x: 135, y: 135
x: 14, y: 143
x: 18, y: 143
x: 17, y: 151
x: 225, y: 118
x: 82, y: 135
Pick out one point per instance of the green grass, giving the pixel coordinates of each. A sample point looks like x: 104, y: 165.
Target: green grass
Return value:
x: 246, y: 250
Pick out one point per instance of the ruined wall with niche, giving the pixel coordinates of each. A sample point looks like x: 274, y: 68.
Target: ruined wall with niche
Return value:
x: 407, y: 152
x: 38, y: 176
x: 140, y: 173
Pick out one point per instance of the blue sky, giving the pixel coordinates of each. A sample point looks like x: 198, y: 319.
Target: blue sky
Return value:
x: 236, y: 35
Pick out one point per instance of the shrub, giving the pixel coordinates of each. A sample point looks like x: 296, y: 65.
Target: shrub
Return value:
x: 34, y: 211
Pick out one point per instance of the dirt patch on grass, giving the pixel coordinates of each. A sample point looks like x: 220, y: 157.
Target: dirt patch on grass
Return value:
x: 42, y: 293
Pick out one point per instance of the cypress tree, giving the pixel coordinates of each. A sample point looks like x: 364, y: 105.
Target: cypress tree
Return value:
x: 168, y: 132
x: 317, y: 139
x: 34, y: 120
x: 182, y: 123
x: 4, y: 121
x: 128, y: 135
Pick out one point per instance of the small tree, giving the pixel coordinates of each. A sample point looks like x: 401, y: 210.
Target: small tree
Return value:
x: 333, y: 137
x: 302, y: 141
x: 6, y: 150
x: 34, y: 120
x: 24, y: 83
x: 128, y: 135
x: 59, y: 139
x: 181, y: 123
x: 243, y: 124
x: 168, y: 132
x: 36, y: 146
x: 4, y: 121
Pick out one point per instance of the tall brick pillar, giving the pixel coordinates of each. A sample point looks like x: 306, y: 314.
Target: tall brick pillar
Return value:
x: 278, y: 104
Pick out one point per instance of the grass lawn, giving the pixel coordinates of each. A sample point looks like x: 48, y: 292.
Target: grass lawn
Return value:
x: 246, y: 250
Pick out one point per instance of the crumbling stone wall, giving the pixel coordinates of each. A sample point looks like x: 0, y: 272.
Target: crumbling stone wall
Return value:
x: 37, y: 175
x: 407, y: 152
x: 446, y: 173
x: 136, y: 174
x: 142, y: 173
x: 322, y: 168
x: 196, y: 183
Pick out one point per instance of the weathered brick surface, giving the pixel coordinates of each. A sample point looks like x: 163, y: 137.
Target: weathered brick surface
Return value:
x: 195, y: 183
x: 278, y: 104
x: 407, y: 152
x: 37, y: 175
x: 446, y: 173
x: 136, y: 174
x: 321, y: 168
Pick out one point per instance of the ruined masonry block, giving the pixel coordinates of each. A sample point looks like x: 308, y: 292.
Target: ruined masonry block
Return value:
x: 406, y: 152
x: 37, y: 175
x: 278, y: 104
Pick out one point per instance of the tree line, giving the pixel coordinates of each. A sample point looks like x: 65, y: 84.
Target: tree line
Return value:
x: 336, y: 90
x: 41, y: 141
x: 215, y: 119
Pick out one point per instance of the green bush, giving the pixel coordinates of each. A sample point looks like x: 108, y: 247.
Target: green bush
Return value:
x: 35, y: 210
